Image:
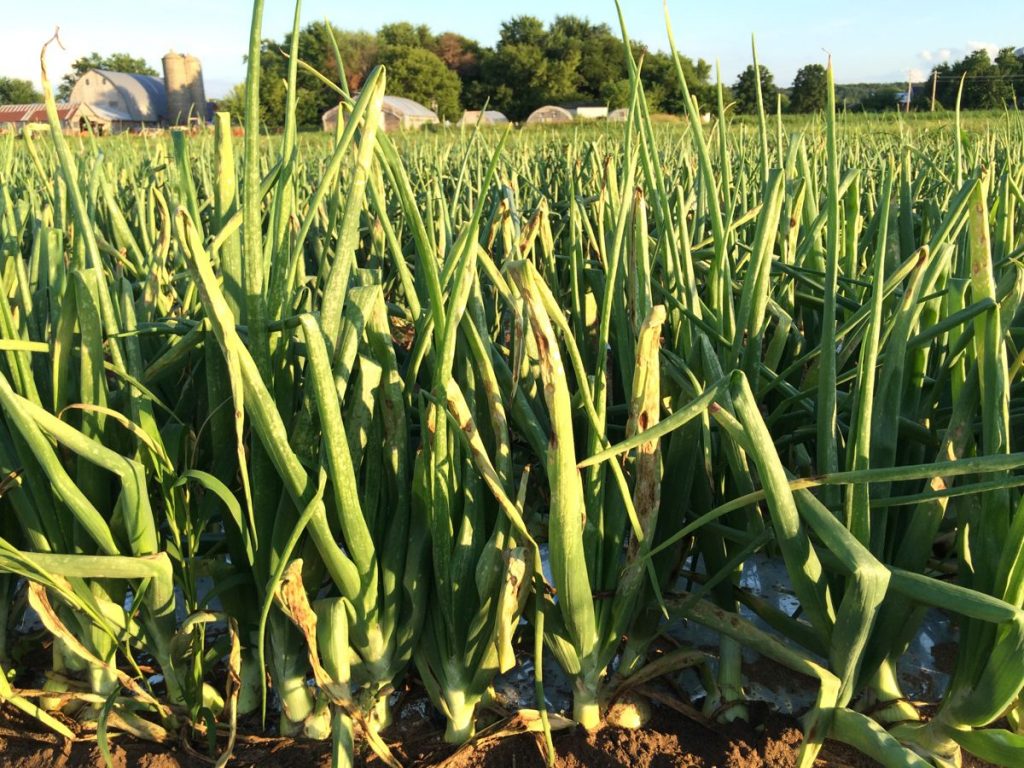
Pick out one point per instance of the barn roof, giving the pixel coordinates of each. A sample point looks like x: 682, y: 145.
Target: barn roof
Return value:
x: 35, y: 113
x: 144, y: 95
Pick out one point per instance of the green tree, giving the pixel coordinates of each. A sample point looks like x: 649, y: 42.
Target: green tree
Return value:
x: 274, y: 71
x: 810, y: 89
x: 661, y: 82
x: 464, y: 57
x: 522, y: 30
x: 359, y: 53
x: 421, y: 66
x: 987, y: 84
x: 745, y: 90
x: 981, y: 88
x: 115, y: 62
x: 881, y: 99
x: 15, y: 91
x: 234, y: 102
x: 1010, y: 70
x: 523, y: 73
x: 418, y: 74
x: 402, y: 33
x: 573, y: 60
x: 602, y: 65
x: 868, y: 97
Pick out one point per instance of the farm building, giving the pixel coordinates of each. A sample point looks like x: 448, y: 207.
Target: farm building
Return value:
x: 132, y: 102
x: 490, y: 117
x: 73, y: 117
x: 404, y: 114
x: 399, y: 114
x: 588, y: 111
x: 329, y: 119
x: 549, y: 114
x: 124, y: 100
x: 905, y: 98
x: 566, y: 114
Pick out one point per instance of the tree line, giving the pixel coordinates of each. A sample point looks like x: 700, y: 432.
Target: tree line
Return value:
x: 571, y: 60
x: 987, y: 83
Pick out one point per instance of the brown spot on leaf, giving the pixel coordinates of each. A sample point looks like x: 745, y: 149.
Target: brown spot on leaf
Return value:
x: 542, y: 346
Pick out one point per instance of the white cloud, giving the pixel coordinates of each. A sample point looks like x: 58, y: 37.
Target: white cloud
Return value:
x: 929, y: 58
x: 941, y: 55
x: 991, y: 48
x: 936, y: 56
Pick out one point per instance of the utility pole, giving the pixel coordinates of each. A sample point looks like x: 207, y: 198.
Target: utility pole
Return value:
x: 935, y: 80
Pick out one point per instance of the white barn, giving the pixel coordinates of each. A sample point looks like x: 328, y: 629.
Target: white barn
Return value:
x: 126, y: 100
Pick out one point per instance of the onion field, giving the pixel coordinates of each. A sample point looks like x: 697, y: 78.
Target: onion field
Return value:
x: 287, y: 422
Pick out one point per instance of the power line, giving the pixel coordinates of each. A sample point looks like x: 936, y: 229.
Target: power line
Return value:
x: 975, y: 77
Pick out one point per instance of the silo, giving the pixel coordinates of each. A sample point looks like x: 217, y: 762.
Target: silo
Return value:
x: 194, y: 73
x: 179, y: 97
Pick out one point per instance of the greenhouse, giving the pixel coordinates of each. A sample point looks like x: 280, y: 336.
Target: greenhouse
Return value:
x: 399, y: 114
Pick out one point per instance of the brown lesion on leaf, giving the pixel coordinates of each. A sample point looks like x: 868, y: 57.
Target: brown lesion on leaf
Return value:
x: 542, y: 346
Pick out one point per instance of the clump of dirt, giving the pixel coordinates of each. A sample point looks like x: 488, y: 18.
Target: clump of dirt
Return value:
x: 669, y: 741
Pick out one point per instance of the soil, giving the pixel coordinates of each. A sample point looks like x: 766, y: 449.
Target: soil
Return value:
x: 945, y: 656
x: 670, y: 740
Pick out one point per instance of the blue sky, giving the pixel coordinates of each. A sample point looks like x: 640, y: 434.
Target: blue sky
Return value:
x: 869, y: 40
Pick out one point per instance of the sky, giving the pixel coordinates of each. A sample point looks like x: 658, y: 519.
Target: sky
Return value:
x: 870, y: 40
